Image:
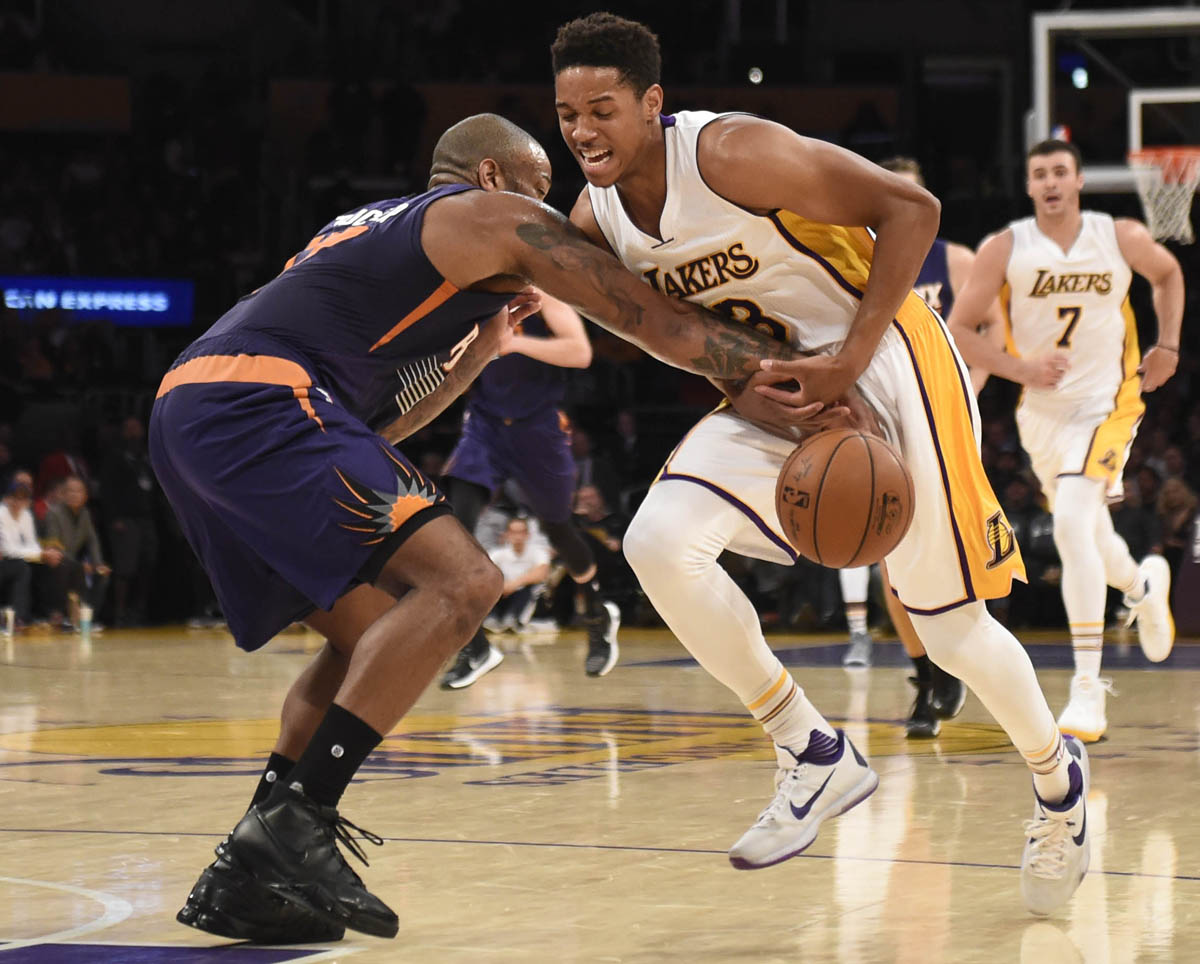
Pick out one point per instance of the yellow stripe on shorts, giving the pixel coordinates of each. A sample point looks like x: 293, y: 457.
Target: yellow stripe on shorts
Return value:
x: 1110, y: 443
x: 987, y: 549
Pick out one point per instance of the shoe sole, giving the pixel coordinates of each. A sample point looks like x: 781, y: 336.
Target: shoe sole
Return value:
x: 1082, y: 735
x: 865, y: 787
x: 922, y: 731
x: 217, y: 905
x: 482, y: 669
x: 312, y: 897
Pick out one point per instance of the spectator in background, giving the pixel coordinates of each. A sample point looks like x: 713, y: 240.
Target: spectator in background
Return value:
x: 82, y: 571
x: 525, y: 567
x: 1148, y: 482
x: 128, y: 489
x: 50, y: 497
x: 592, y: 469
x: 1176, y: 508
x: 19, y: 546
x: 1137, y: 523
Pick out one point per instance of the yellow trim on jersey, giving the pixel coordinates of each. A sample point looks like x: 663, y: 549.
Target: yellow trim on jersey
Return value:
x: 1010, y: 344
x: 848, y: 250
x: 989, y: 550
x: 1112, y: 439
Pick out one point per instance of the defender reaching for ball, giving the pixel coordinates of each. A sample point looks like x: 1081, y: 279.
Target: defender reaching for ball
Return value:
x: 265, y: 435
x: 745, y: 217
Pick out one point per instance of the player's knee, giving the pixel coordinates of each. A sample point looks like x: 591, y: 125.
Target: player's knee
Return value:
x: 479, y: 590
x: 647, y: 547
x: 1073, y: 526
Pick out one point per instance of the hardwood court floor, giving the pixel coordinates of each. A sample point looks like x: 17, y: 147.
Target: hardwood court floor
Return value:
x: 544, y: 816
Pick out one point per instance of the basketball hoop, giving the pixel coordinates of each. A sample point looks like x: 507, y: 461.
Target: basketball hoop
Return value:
x: 1166, y: 181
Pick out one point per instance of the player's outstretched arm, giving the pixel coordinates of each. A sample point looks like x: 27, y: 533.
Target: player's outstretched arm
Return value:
x: 1158, y: 266
x: 500, y: 241
x: 764, y: 166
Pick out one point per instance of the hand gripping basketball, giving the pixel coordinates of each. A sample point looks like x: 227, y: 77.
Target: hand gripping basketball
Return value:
x: 844, y: 498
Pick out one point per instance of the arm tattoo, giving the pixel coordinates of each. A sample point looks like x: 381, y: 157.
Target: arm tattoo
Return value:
x: 730, y: 350
x: 570, y: 249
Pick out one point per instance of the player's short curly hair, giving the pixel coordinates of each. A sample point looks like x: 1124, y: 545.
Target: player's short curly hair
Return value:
x: 606, y: 40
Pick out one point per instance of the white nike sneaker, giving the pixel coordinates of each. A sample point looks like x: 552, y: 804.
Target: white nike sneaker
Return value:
x: 827, y: 779
x: 1156, y: 628
x: 1057, y: 846
x: 1084, y: 717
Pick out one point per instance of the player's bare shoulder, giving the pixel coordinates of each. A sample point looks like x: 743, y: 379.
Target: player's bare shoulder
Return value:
x: 583, y: 216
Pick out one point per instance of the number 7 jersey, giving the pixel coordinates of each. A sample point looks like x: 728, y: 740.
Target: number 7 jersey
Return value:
x: 1075, y: 301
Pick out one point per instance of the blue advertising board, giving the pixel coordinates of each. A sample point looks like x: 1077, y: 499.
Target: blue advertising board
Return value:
x: 123, y: 301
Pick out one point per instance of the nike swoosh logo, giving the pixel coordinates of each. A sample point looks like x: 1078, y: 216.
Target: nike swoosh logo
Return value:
x: 801, y: 812
x: 1082, y: 831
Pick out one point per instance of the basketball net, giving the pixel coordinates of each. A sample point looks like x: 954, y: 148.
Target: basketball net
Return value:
x: 1166, y: 181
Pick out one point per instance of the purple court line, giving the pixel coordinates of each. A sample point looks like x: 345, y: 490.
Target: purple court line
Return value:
x: 624, y: 848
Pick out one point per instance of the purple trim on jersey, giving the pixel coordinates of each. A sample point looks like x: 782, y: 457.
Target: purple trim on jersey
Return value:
x: 804, y: 249
x: 737, y: 503
x: 667, y: 120
x: 937, y: 447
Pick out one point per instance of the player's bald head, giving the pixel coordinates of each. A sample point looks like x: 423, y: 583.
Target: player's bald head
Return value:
x: 490, y: 151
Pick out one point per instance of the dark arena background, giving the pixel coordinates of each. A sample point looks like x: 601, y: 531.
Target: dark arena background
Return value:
x: 160, y: 160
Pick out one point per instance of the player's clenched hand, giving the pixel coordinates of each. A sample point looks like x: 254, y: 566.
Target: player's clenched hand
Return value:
x: 1157, y: 366
x: 783, y: 418
x: 1046, y: 371
x: 823, y: 379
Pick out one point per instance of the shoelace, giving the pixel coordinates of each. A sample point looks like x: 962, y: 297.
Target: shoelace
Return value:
x: 784, y: 780
x: 341, y: 829
x: 1050, y: 836
x: 1103, y: 682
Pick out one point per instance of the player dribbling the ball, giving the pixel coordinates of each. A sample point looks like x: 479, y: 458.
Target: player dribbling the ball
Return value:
x: 820, y: 248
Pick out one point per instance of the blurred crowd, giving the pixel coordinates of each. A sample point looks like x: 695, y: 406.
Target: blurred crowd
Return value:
x: 203, y: 187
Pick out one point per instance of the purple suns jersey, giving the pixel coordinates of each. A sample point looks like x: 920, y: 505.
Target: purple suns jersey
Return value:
x: 363, y: 309
x: 933, y: 283
x: 517, y: 386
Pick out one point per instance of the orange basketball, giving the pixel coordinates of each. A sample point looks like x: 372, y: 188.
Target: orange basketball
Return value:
x: 844, y: 498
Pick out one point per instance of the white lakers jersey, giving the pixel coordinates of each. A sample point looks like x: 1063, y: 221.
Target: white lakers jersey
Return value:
x: 1076, y: 301
x: 796, y: 279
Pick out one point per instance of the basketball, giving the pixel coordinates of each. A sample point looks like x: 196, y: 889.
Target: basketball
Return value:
x: 844, y: 498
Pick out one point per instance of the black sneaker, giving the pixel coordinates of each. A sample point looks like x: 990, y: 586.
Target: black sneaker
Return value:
x: 228, y: 902
x: 949, y: 694
x: 468, y: 668
x: 923, y: 722
x: 290, y: 845
x: 603, y: 650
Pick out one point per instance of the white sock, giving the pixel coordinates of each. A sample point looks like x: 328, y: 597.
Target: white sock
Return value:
x: 786, y: 714
x: 856, y: 618
x: 1088, y: 652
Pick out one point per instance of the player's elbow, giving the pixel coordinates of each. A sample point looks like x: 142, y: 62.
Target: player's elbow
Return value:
x: 581, y: 357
